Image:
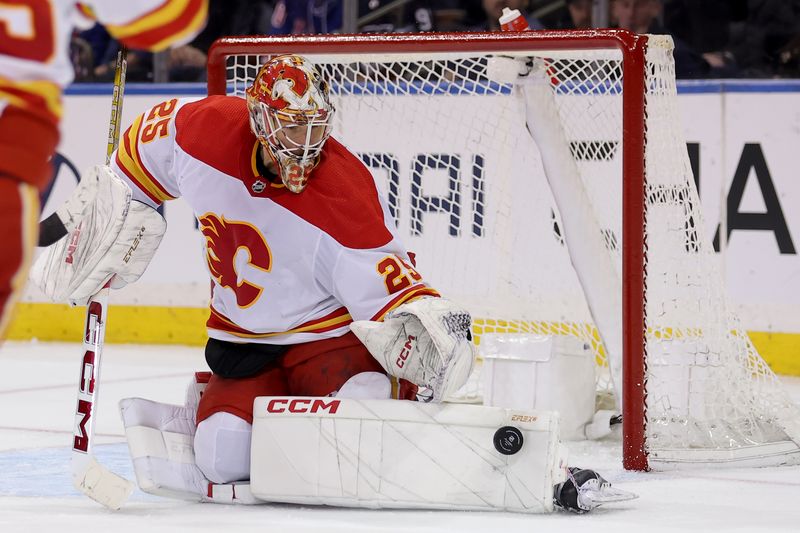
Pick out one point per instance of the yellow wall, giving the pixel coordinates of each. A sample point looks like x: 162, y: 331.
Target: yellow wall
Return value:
x: 186, y: 325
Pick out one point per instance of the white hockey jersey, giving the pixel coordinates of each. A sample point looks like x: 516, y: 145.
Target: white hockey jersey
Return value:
x: 35, y: 37
x: 286, y: 268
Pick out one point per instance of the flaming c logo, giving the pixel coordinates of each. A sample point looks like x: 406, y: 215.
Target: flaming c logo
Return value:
x: 224, y: 239
x: 288, y: 85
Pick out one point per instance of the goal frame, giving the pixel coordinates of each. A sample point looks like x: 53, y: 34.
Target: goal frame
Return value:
x: 633, y: 48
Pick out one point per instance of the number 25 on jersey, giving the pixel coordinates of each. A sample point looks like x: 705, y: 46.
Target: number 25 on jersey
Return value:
x: 156, y: 123
x: 397, y: 273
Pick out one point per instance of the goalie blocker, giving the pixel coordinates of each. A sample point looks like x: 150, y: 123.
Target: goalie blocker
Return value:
x: 110, y: 236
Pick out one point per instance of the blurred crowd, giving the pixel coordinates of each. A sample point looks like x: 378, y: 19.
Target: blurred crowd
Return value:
x: 713, y: 38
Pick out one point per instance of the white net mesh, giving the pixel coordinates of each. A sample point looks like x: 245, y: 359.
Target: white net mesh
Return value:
x: 466, y: 187
x: 707, y: 386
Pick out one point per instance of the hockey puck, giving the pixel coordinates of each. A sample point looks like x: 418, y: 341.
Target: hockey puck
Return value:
x: 508, y: 440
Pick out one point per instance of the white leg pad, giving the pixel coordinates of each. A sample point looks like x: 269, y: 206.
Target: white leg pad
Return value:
x: 160, y: 440
x: 222, y: 448
x: 400, y: 454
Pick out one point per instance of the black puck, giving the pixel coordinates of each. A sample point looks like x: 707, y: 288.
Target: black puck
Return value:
x: 508, y: 440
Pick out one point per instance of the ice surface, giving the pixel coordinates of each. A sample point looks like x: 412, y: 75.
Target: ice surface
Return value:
x: 37, y: 402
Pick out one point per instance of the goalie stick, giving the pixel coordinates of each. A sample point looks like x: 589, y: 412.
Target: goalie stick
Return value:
x: 89, y: 476
x: 62, y: 221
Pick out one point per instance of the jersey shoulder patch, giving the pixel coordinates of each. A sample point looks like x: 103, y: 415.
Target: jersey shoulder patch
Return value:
x: 341, y: 199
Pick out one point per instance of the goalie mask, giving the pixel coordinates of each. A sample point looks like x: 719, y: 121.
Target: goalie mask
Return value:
x: 291, y: 115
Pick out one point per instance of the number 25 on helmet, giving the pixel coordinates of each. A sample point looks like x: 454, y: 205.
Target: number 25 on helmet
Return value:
x: 291, y: 115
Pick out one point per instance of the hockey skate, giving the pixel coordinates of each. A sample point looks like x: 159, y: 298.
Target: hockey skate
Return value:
x: 585, y: 490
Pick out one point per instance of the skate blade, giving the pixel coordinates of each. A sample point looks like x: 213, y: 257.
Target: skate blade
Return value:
x: 594, y: 497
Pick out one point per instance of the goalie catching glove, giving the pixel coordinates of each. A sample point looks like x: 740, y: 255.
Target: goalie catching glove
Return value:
x: 110, y: 236
x: 427, y: 342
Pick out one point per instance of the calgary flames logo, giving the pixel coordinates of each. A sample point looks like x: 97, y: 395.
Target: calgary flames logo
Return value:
x: 224, y: 239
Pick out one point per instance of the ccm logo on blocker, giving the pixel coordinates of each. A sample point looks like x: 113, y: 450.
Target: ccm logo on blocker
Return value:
x: 406, y: 351
x: 280, y: 405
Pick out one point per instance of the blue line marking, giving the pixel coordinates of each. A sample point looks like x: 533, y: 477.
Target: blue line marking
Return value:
x: 738, y: 86
x: 432, y: 88
x: 166, y: 89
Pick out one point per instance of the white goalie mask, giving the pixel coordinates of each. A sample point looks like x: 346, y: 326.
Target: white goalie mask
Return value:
x: 291, y: 115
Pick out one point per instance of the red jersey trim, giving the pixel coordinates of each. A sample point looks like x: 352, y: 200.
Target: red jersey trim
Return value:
x: 334, y: 320
x: 408, y: 295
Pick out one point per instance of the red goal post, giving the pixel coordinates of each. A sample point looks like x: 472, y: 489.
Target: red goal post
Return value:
x: 573, y: 59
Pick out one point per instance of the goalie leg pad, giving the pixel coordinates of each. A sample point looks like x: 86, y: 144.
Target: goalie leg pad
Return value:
x: 160, y: 438
x: 222, y: 441
x: 389, y: 453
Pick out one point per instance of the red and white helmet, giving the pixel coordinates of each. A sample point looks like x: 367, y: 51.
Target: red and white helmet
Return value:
x: 291, y: 115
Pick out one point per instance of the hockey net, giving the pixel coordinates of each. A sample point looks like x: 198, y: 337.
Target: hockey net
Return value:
x: 449, y: 129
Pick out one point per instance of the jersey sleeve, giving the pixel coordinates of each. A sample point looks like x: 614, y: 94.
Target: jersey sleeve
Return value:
x: 145, y: 156
x: 149, y: 24
x: 371, y: 283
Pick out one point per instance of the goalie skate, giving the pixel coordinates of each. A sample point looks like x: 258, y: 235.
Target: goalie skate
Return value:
x: 585, y: 490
